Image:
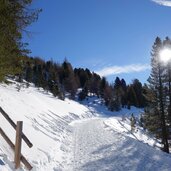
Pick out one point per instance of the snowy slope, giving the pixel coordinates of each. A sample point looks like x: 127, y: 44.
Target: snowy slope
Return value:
x: 97, y: 106
x: 123, y: 127
x: 45, y: 123
x: 69, y: 136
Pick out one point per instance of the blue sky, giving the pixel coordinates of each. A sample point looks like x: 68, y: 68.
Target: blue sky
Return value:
x: 111, y: 37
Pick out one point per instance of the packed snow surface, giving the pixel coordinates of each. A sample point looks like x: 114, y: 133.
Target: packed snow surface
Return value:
x: 69, y: 136
x: 97, y: 147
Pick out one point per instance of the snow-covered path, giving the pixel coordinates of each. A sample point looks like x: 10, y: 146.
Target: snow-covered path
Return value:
x: 96, y: 147
x: 92, y: 143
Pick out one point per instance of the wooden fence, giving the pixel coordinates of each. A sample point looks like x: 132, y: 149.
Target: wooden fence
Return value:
x: 18, y: 142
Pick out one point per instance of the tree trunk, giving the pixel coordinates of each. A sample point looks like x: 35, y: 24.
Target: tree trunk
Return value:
x: 162, y: 113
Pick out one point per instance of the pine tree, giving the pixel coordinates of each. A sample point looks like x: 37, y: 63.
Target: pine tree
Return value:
x: 95, y: 84
x: 157, y: 103
x: 68, y: 80
x: 124, y: 94
x: 82, y: 75
x: 131, y: 96
x: 103, y: 84
x: 137, y: 86
x: 15, y: 16
x: 108, y: 94
x: 117, y: 95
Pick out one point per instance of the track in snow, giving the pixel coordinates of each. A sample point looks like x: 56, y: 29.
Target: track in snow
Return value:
x: 96, y: 147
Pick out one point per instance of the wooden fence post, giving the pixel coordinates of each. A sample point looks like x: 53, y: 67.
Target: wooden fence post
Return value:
x: 23, y: 159
x: 18, y: 141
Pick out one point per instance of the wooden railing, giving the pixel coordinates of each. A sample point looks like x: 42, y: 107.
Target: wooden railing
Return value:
x: 18, y: 142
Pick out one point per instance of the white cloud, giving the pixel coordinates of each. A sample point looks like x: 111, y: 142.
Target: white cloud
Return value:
x: 163, y: 2
x: 113, y: 70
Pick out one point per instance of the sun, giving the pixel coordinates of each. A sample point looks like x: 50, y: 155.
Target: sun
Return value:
x: 165, y: 55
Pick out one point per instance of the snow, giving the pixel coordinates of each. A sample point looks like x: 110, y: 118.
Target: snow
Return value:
x: 67, y: 135
x: 96, y: 106
x: 45, y: 120
x: 123, y: 126
x: 96, y: 147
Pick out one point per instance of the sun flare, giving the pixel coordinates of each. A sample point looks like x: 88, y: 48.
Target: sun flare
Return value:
x: 165, y: 55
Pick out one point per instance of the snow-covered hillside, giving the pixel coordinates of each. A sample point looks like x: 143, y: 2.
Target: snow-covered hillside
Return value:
x: 46, y: 122
x: 69, y: 136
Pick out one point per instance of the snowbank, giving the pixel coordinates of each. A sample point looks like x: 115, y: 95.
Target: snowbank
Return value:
x: 45, y: 120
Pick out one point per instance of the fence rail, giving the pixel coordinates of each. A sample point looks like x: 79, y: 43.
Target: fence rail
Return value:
x: 19, y: 136
x: 6, y: 116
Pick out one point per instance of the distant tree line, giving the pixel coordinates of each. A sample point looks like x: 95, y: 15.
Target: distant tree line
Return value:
x: 61, y: 79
